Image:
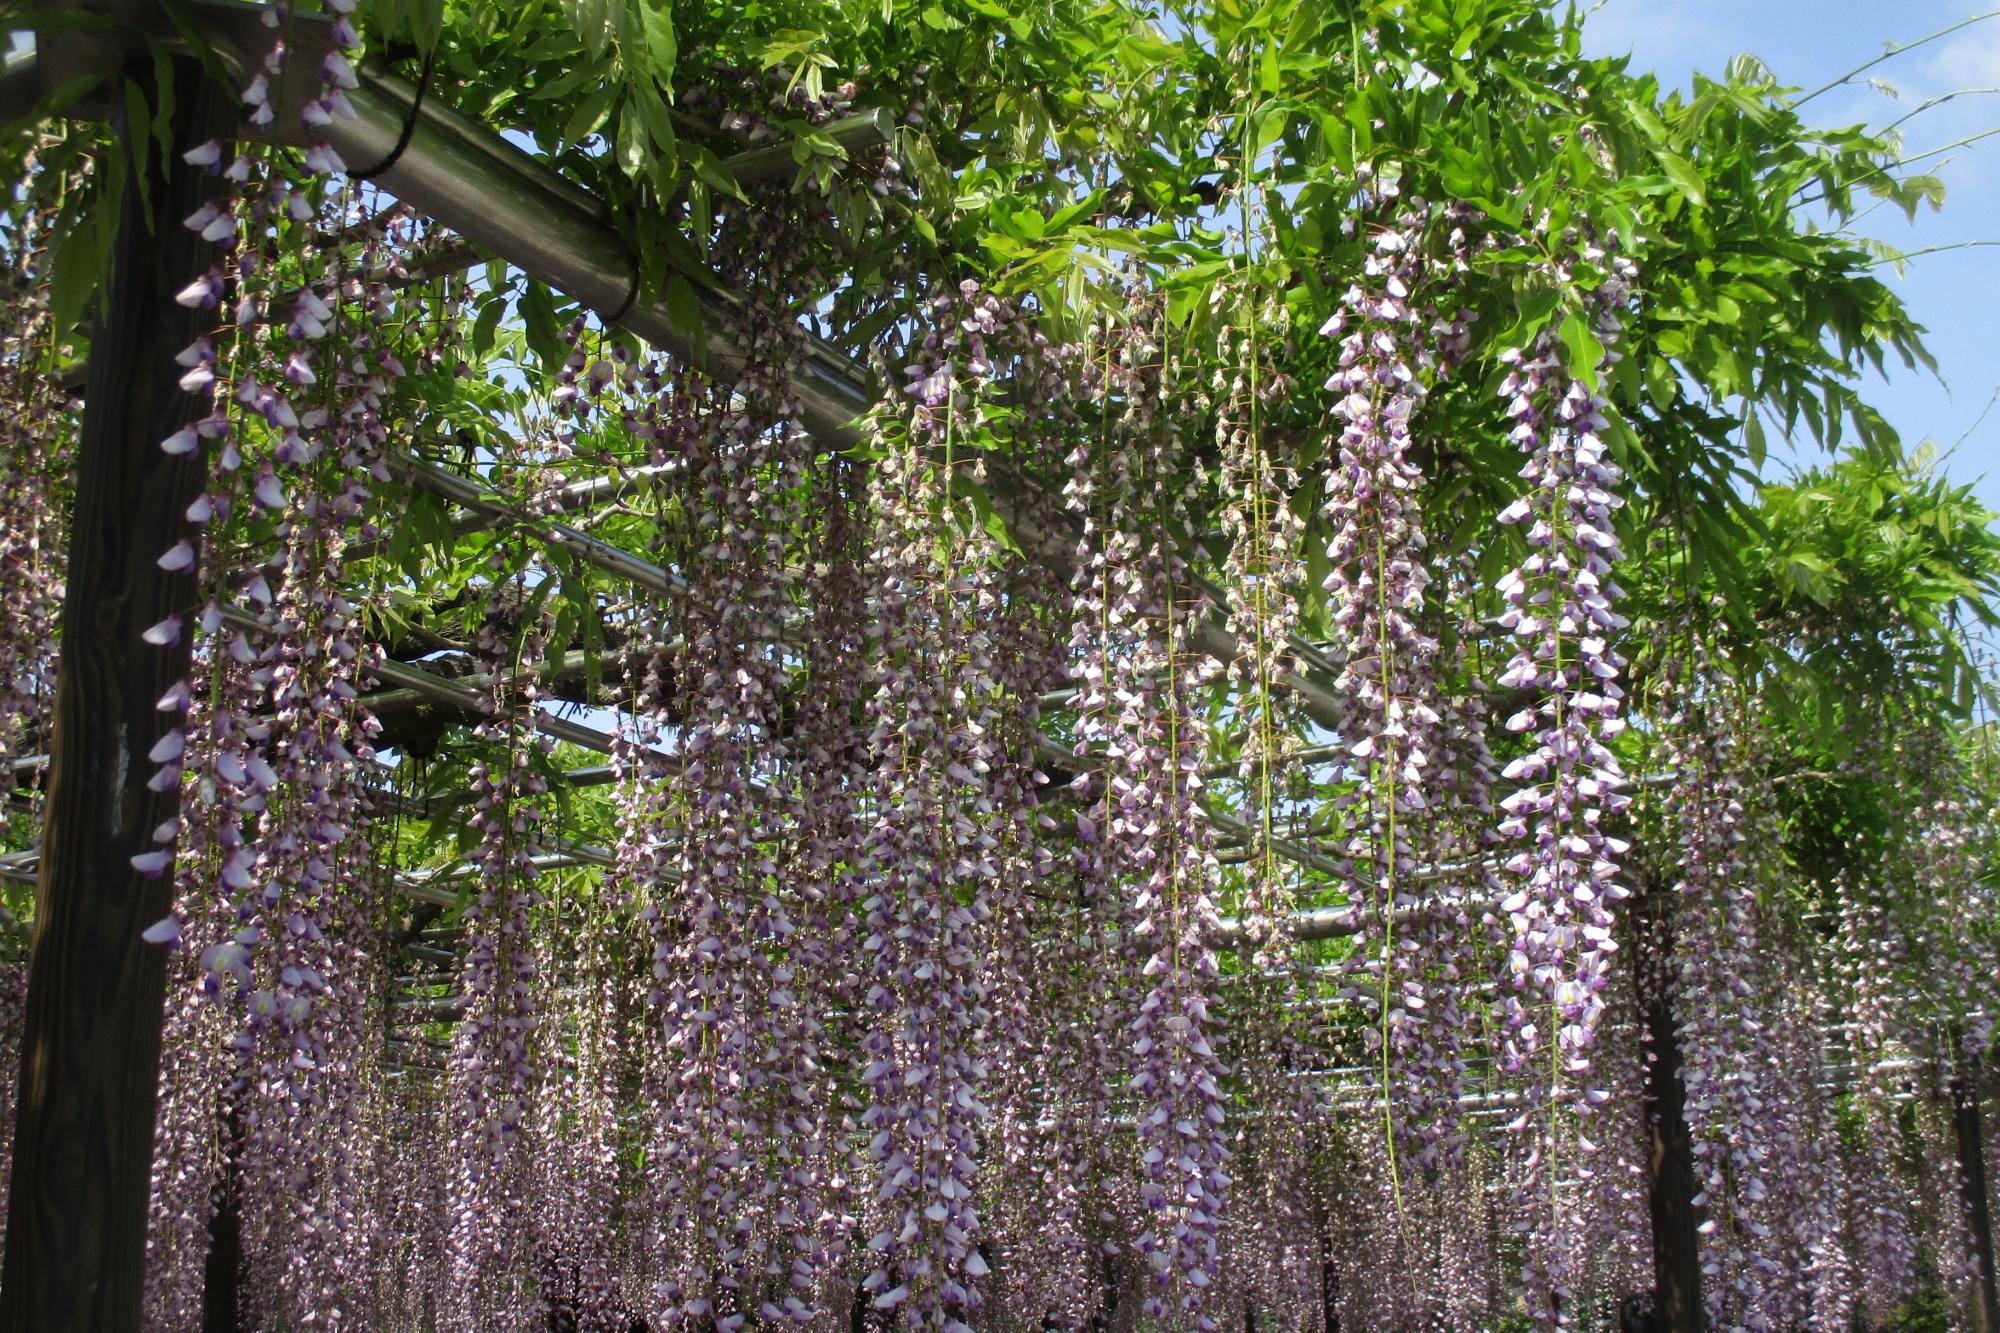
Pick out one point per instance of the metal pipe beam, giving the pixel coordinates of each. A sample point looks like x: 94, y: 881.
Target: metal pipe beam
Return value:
x: 439, y: 690
x: 470, y: 495
x: 442, y: 691
x: 508, y: 204
x: 862, y: 130
x: 578, y: 495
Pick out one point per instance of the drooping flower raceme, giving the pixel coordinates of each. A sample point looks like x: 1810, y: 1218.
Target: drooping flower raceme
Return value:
x: 1134, y: 627
x: 493, y: 1076
x: 1375, y: 587
x: 1561, y: 610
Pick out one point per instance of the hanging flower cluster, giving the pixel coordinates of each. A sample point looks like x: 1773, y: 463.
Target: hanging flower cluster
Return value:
x: 1135, y: 615
x: 1561, y: 611
x: 828, y: 862
x: 951, y: 859
x: 1806, y: 1206
x: 1431, y: 1026
x: 1045, y: 1141
x: 1268, y: 1256
x: 410, y: 1201
x: 739, y: 1051
x: 34, y: 444
x: 1721, y: 1030
x: 1883, y: 1211
x: 277, y: 886
x: 1266, y: 570
x: 583, y: 1010
x: 930, y: 853
x: 1375, y: 588
x: 1754, y: 1106
x: 493, y: 1074
x: 1963, y: 968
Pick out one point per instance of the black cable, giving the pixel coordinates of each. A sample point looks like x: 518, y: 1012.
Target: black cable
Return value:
x: 409, y: 124
x: 631, y: 297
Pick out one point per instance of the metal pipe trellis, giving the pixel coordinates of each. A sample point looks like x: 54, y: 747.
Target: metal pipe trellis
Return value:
x: 502, y: 200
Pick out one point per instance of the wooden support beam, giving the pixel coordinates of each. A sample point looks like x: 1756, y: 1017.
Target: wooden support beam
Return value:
x: 222, y: 1274
x: 1969, y: 1130
x: 83, y: 1145
x: 1670, y: 1177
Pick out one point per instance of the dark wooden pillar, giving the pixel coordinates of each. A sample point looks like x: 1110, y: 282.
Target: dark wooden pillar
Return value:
x: 1670, y: 1182
x: 221, y: 1275
x: 1329, y: 1284
x: 83, y: 1143
x: 1968, y: 1127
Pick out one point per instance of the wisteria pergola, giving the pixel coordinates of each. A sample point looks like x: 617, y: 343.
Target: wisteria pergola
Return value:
x: 915, y: 711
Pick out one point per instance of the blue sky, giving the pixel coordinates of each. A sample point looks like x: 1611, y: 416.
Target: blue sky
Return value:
x: 1807, y: 43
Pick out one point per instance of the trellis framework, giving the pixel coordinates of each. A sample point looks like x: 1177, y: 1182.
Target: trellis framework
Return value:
x: 504, y: 204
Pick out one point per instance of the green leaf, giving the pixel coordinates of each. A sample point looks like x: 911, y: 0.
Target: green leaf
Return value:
x: 590, y: 113
x: 1532, y: 317
x: 488, y: 321
x: 632, y: 155
x: 659, y: 124
x: 701, y: 215
x: 714, y: 173
x: 662, y: 45
x: 1682, y: 173
x: 163, y: 114
x: 78, y: 268
x: 1583, y: 350
x: 538, y: 315
x: 988, y: 518
x: 1063, y: 217
x: 428, y: 23
x: 684, y: 308
x: 592, y: 21
x: 562, y: 85
x: 138, y: 122
x: 1268, y: 125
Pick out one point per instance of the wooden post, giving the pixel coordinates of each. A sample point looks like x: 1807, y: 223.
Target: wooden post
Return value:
x: 1968, y: 1127
x: 90, y: 1054
x: 1670, y: 1183
x: 1329, y: 1284
x: 222, y: 1273
x: 1105, y: 1315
